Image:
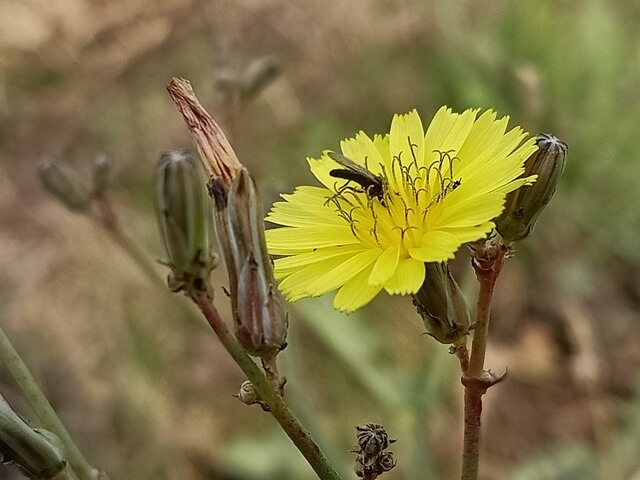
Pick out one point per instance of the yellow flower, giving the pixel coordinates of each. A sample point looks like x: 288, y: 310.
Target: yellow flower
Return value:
x: 426, y: 195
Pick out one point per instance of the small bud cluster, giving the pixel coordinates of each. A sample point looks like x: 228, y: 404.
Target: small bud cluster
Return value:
x: 439, y: 301
x: 372, y: 460
x: 259, y: 317
x: 67, y: 186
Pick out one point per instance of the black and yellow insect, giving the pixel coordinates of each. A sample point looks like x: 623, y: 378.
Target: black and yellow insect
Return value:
x: 372, y: 184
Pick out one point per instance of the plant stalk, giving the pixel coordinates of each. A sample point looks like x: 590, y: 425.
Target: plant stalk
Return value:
x: 43, y: 409
x: 487, y: 264
x: 267, y: 392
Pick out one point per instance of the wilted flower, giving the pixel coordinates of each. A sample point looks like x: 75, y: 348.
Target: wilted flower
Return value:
x: 259, y: 317
x: 411, y: 198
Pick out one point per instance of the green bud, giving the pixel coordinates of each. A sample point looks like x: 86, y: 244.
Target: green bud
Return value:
x: 442, y: 306
x: 183, y: 210
x: 524, y: 205
x: 36, y: 452
x: 63, y: 183
x: 259, y: 316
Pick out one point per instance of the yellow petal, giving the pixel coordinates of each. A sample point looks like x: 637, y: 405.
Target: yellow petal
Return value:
x: 341, y: 273
x: 385, y: 266
x: 362, y: 150
x: 356, y: 293
x: 288, y: 265
x: 408, y: 277
x: 288, y: 241
x: 435, y: 246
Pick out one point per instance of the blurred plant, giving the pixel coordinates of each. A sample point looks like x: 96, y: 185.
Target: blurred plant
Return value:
x: 36, y: 452
x: 392, y: 212
x: 40, y: 453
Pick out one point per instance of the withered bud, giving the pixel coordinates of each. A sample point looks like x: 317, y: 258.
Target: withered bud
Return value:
x: 524, y: 205
x: 373, y: 438
x: 184, y: 214
x: 260, y: 319
x: 63, y: 182
x: 248, y: 394
x: 258, y: 75
x: 101, y: 171
x: 38, y: 453
x: 216, y: 152
x: 442, y: 305
x: 372, y: 460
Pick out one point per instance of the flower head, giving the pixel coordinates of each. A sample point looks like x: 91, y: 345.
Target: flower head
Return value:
x: 426, y: 194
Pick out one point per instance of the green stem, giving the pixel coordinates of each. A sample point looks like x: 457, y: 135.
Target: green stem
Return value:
x: 277, y: 406
x: 475, y: 379
x: 43, y: 408
x: 108, y: 219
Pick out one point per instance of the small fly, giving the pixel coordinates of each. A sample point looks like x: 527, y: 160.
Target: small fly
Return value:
x: 372, y: 184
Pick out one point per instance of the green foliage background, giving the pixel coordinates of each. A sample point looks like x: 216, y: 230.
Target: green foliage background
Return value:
x: 148, y: 394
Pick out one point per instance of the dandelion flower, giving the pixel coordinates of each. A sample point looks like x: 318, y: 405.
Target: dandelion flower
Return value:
x: 426, y: 194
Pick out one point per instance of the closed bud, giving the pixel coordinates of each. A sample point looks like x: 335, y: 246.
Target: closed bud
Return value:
x: 64, y: 183
x: 101, y: 170
x: 442, y: 306
x: 260, y: 319
x: 247, y: 393
x: 38, y: 453
x: 258, y: 75
x: 524, y: 205
x: 184, y: 214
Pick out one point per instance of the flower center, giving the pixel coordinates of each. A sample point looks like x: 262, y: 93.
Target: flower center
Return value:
x: 400, y: 216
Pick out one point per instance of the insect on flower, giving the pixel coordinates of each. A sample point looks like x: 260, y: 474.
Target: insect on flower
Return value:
x: 372, y: 184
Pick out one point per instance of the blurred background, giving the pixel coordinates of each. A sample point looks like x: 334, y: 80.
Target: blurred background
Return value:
x: 147, y: 393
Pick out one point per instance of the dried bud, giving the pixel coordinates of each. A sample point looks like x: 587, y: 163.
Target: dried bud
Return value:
x: 441, y: 305
x: 64, y: 183
x: 386, y: 462
x: 216, y: 152
x: 524, y: 205
x: 184, y: 214
x: 36, y: 452
x: 101, y: 170
x: 258, y: 75
x: 260, y: 320
x: 248, y: 394
x: 373, y: 438
x: 372, y: 460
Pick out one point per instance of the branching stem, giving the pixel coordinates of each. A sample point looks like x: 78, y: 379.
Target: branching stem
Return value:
x: 267, y: 392
x: 487, y: 262
x: 43, y: 409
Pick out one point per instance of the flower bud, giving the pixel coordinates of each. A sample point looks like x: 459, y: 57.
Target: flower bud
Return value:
x: 36, y: 452
x: 63, y: 183
x: 441, y: 305
x: 258, y: 75
x: 372, y: 460
x: 101, y: 170
x: 524, y: 205
x: 183, y: 210
x: 260, y: 320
